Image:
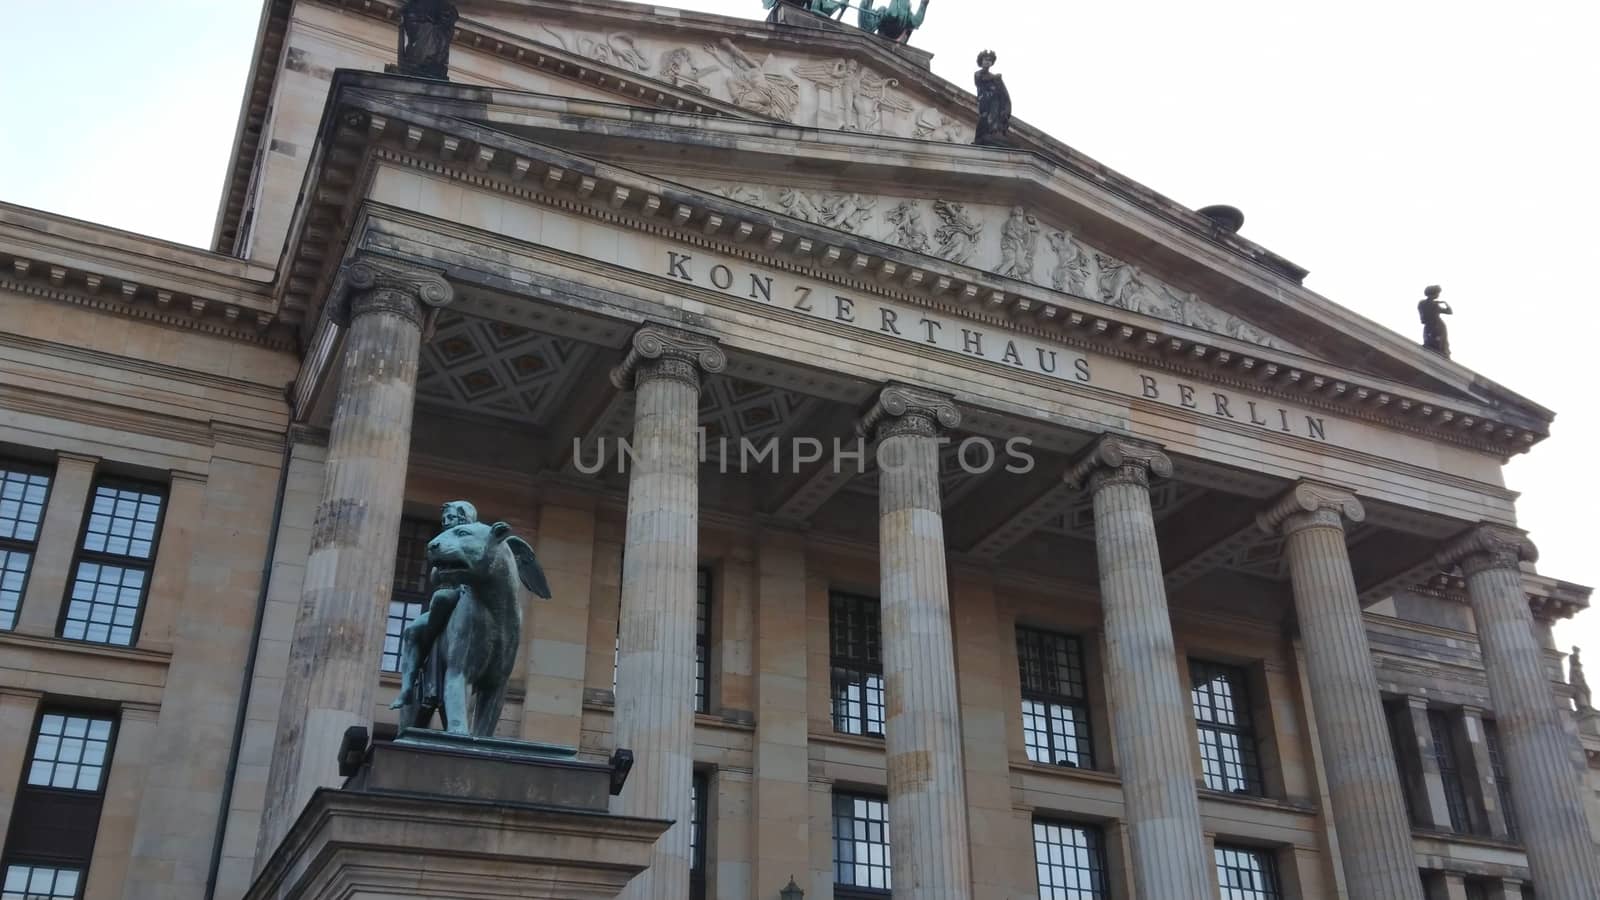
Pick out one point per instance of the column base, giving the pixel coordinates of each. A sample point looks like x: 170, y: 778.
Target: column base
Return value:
x: 510, y: 820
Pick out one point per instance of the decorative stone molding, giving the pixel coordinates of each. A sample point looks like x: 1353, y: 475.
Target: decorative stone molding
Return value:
x: 1310, y: 504
x: 903, y: 409
x: 658, y: 351
x: 1487, y: 546
x: 1115, y: 459
x: 371, y: 283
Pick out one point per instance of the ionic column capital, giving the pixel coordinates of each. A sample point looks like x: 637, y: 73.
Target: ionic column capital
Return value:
x: 659, y: 351
x: 903, y: 409
x: 371, y: 283
x: 1115, y: 459
x: 1310, y: 504
x: 1488, y: 547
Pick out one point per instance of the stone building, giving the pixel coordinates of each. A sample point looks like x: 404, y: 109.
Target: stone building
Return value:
x: 1154, y: 570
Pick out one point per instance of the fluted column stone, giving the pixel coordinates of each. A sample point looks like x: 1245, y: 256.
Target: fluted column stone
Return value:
x: 331, y: 681
x: 656, y: 660
x: 922, y: 727
x: 1546, y: 793
x: 1149, y: 712
x: 1364, y: 789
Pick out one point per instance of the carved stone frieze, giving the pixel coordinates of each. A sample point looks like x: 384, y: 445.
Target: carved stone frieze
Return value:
x: 754, y: 84
x: 908, y: 230
x: 1019, y: 240
x: 614, y: 49
x: 1309, y: 503
x: 658, y: 351
x: 680, y: 68
x: 851, y: 97
x: 1115, y: 459
x: 903, y: 409
x: 1071, y: 272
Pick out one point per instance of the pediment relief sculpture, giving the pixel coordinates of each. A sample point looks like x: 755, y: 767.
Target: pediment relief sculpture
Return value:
x: 1003, y: 240
x: 831, y: 92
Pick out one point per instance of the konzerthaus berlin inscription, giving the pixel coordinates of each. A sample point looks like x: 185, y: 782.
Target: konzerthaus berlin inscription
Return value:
x: 921, y: 508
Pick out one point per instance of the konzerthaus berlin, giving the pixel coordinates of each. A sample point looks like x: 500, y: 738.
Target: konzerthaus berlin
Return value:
x: 1152, y: 570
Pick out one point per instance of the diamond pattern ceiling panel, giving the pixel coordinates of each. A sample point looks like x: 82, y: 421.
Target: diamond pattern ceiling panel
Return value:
x: 499, y: 369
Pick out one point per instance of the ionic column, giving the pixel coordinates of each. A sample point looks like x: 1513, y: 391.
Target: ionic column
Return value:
x: 331, y: 682
x: 1364, y: 790
x: 1545, y: 791
x: 655, y: 666
x: 1149, y: 712
x: 922, y: 724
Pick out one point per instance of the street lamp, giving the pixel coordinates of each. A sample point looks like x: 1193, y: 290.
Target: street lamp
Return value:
x: 792, y: 891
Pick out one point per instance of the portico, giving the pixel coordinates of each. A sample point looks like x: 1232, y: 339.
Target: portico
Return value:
x: 1174, y: 475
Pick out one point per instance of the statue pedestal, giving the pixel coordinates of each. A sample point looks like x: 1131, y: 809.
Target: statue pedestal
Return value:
x: 440, y: 816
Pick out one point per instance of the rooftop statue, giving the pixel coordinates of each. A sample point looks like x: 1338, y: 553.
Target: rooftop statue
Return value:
x: 1432, y: 310
x: 426, y: 29
x: 994, y: 104
x: 1581, y: 696
x: 466, y: 643
x: 820, y: 7
x: 893, y: 22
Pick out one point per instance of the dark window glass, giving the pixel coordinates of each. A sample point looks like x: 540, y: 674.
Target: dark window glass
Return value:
x: 857, y: 680
x: 702, y: 642
x: 1228, y: 753
x: 410, y: 596
x: 1070, y: 861
x: 1055, y: 707
x: 111, y: 575
x: 1502, y: 781
x: 698, y: 790
x: 1444, y: 755
x: 23, y: 491
x: 860, y: 845
x: 1477, y: 889
x: 1247, y: 874
x: 42, y: 883
x: 1397, y: 713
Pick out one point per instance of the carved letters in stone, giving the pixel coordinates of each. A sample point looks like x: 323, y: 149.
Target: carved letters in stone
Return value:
x: 751, y: 86
x: 1018, y: 241
x: 858, y: 96
x: 908, y: 230
x: 957, y: 237
x: 679, y: 70
x: 1071, y: 273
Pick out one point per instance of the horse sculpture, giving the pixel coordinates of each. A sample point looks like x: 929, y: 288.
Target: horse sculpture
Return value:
x: 472, y: 628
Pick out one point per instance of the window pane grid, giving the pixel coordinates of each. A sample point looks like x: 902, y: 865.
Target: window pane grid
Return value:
x: 1444, y: 755
x: 410, y: 596
x: 1245, y: 874
x: 861, y: 842
x: 1070, y: 861
x: 857, y: 673
x: 41, y: 883
x: 1055, y: 711
x: 70, y: 752
x: 22, y: 497
x: 1502, y: 781
x: 702, y: 642
x: 697, y: 831
x: 111, y: 575
x: 1228, y: 753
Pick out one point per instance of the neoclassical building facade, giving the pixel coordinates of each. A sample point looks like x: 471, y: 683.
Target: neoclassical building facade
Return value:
x: 946, y: 520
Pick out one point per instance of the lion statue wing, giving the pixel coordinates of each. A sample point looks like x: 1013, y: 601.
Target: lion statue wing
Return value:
x: 528, y: 569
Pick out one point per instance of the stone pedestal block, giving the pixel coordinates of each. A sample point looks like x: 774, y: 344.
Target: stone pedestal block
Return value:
x: 431, y: 816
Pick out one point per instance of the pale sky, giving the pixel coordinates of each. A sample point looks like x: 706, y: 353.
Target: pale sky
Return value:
x: 1383, y: 145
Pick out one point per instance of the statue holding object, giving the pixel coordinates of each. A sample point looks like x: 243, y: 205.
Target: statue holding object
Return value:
x: 994, y: 104
x: 894, y: 21
x: 462, y: 649
x: 1432, y: 310
x: 821, y: 7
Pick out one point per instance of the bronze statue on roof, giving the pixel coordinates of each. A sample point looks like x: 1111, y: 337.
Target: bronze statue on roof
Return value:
x: 1432, y: 310
x: 426, y: 30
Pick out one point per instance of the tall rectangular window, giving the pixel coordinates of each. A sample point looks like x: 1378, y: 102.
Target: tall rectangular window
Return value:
x: 1444, y: 755
x: 1245, y: 873
x: 1478, y: 888
x: 860, y: 846
x: 111, y: 575
x: 698, y: 790
x: 1055, y: 702
x: 410, y: 595
x: 856, y: 646
x: 702, y: 641
x: 1229, y: 757
x: 1502, y: 781
x: 1070, y: 861
x: 1397, y: 714
x: 23, y: 491
x: 59, y: 801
